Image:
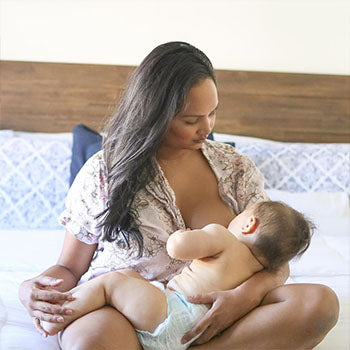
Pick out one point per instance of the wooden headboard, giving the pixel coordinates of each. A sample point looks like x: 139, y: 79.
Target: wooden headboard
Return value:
x: 54, y: 97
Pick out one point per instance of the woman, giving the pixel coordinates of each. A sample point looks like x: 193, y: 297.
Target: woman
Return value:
x: 158, y: 174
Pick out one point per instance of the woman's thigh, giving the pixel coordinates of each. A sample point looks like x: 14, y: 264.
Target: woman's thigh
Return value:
x: 102, y: 329
x: 293, y: 316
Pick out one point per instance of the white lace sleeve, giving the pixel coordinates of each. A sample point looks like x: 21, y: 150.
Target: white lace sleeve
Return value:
x: 85, y: 200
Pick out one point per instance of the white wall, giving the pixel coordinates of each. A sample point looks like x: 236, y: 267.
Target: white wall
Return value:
x: 311, y: 36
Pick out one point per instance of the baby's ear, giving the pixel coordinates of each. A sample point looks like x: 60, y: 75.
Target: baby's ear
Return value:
x: 250, y: 225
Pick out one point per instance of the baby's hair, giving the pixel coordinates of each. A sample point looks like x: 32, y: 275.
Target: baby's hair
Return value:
x: 283, y: 233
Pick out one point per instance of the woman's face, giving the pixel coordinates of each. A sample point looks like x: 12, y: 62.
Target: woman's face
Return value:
x: 191, y: 126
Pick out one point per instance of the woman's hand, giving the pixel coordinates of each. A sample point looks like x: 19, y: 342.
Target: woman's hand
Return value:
x: 229, y: 306
x: 44, y: 296
x: 226, y: 308
x: 43, y: 301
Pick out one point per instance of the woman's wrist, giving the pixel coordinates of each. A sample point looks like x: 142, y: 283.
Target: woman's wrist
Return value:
x: 263, y: 282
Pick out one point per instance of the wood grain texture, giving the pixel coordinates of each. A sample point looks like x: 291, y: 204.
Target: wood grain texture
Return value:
x: 285, y: 106
x: 54, y: 97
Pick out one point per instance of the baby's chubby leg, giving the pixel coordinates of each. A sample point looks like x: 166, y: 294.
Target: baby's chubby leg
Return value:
x: 143, y: 304
x: 87, y: 297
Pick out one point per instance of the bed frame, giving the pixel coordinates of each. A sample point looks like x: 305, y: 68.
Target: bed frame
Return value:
x: 54, y: 97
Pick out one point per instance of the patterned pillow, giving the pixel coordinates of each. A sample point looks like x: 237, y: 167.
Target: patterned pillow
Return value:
x: 300, y: 167
x: 34, y: 179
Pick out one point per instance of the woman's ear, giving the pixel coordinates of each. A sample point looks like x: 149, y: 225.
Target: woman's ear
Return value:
x: 250, y: 226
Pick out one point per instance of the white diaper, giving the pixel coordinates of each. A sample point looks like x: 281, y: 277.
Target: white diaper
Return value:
x: 182, y: 316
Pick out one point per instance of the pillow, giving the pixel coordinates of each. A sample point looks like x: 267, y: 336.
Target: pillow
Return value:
x: 210, y: 136
x: 329, y: 250
x: 323, y: 258
x: 213, y: 136
x: 86, y: 142
x: 34, y: 178
x: 297, y: 167
x: 329, y: 211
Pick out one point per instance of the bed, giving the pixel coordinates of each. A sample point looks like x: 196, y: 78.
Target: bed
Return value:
x: 296, y: 128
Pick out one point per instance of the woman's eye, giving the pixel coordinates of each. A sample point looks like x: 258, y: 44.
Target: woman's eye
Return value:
x: 190, y: 122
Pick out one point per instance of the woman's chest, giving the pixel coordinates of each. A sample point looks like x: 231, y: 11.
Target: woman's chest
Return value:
x: 197, y: 196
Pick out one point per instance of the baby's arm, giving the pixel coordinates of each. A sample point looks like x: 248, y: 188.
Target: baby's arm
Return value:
x: 196, y: 244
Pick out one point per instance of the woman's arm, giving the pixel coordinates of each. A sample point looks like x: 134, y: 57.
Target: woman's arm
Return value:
x: 43, y: 296
x: 229, y: 306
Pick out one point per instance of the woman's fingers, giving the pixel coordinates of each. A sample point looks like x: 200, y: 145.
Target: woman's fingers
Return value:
x: 50, y: 295
x: 43, y: 316
x: 204, y: 323
x: 48, y: 308
x: 46, y: 281
x: 211, y: 324
x: 47, y: 304
x: 202, y: 298
x: 200, y: 327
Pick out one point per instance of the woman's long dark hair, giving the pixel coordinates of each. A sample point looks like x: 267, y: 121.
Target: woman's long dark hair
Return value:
x: 155, y: 94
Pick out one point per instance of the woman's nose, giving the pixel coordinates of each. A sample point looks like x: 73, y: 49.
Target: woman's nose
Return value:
x: 206, y: 126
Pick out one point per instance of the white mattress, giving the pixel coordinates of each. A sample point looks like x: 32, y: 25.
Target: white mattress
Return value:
x: 24, y: 254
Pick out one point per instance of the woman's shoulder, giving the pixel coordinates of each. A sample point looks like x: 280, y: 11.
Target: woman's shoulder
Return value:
x: 86, y: 199
x: 226, y: 153
x: 92, y: 177
x: 96, y: 160
x: 94, y: 166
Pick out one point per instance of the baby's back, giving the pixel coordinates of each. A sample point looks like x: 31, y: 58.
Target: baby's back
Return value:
x: 224, y: 271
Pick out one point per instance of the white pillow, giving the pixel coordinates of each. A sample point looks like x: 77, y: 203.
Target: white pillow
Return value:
x: 297, y: 167
x: 323, y: 258
x: 329, y: 211
x: 329, y: 250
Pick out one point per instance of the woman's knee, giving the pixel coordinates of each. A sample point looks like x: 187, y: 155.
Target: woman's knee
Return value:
x: 315, y: 308
x: 321, y: 308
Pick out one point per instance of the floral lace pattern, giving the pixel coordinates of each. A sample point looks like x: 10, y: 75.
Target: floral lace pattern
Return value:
x: 240, y: 184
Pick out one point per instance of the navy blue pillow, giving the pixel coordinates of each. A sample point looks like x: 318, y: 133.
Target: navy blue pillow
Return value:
x: 230, y: 143
x: 86, y: 142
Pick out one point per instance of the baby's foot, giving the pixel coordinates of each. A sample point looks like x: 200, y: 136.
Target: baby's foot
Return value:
x: 52, y: 328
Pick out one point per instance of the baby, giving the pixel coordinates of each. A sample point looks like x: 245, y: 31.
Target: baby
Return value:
x: 266, y: 235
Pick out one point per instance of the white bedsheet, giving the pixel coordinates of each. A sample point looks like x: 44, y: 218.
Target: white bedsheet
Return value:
x: 24, y: 254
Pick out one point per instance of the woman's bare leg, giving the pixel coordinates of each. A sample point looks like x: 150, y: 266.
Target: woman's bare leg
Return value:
x: 295, y: 316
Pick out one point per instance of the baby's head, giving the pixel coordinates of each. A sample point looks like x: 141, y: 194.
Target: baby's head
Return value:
x: 274, y: 232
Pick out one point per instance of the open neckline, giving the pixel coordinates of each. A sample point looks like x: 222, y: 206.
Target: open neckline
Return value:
x: 179, y: 218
